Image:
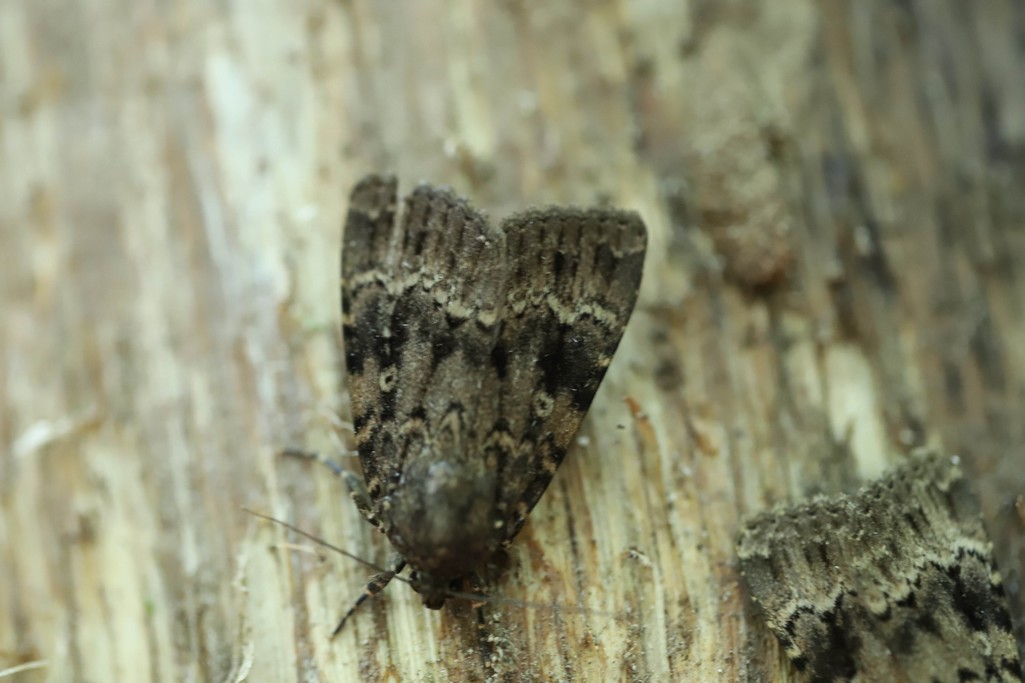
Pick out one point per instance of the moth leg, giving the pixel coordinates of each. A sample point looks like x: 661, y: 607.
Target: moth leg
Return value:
x: 360, y: 497
x: 374, y: 586
x: 316, y: 457
x: 356, y: 487
x: 478, y: 586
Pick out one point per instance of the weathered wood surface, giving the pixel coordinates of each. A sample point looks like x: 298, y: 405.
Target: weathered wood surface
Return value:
x: 834, y: 194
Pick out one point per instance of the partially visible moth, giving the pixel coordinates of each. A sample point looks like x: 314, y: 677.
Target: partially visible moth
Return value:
x: 894, y: 583
x: 473, y: 352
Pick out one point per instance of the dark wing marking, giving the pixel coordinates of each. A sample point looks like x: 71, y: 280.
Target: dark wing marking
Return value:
x: 573, y: 277
x: 420, y: 300
x: 895, y: 583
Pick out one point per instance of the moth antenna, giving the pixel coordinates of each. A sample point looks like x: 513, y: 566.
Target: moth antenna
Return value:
x: 335, y: 468
x: 384, y: 576
x: 377, y: 582
x: 319, y: 541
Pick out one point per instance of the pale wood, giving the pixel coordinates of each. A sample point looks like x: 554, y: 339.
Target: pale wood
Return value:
x: 172, y: 185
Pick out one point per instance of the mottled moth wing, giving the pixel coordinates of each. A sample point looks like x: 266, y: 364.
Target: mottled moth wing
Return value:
x: 573, y: 276
x: 473, y: 353
x: 420, y: 299
x: 894, y: 583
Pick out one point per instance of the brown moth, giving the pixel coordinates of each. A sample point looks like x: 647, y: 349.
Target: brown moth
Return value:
x: 473, y: 352
x: 894, y: 583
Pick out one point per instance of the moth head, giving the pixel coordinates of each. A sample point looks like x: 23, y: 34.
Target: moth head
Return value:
x: 434, y: 589
x: 442, y: 516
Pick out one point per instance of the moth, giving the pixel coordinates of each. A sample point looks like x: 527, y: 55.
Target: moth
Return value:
x: 894, y: 583
x: 473, y: 351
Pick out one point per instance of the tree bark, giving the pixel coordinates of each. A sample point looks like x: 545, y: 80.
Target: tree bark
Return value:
x: 836, y: 274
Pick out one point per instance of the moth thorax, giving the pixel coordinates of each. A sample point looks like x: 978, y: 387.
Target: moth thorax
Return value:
x: 442, y: 515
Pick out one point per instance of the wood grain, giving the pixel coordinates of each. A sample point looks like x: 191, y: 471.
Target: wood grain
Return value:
x: 836, y: 273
